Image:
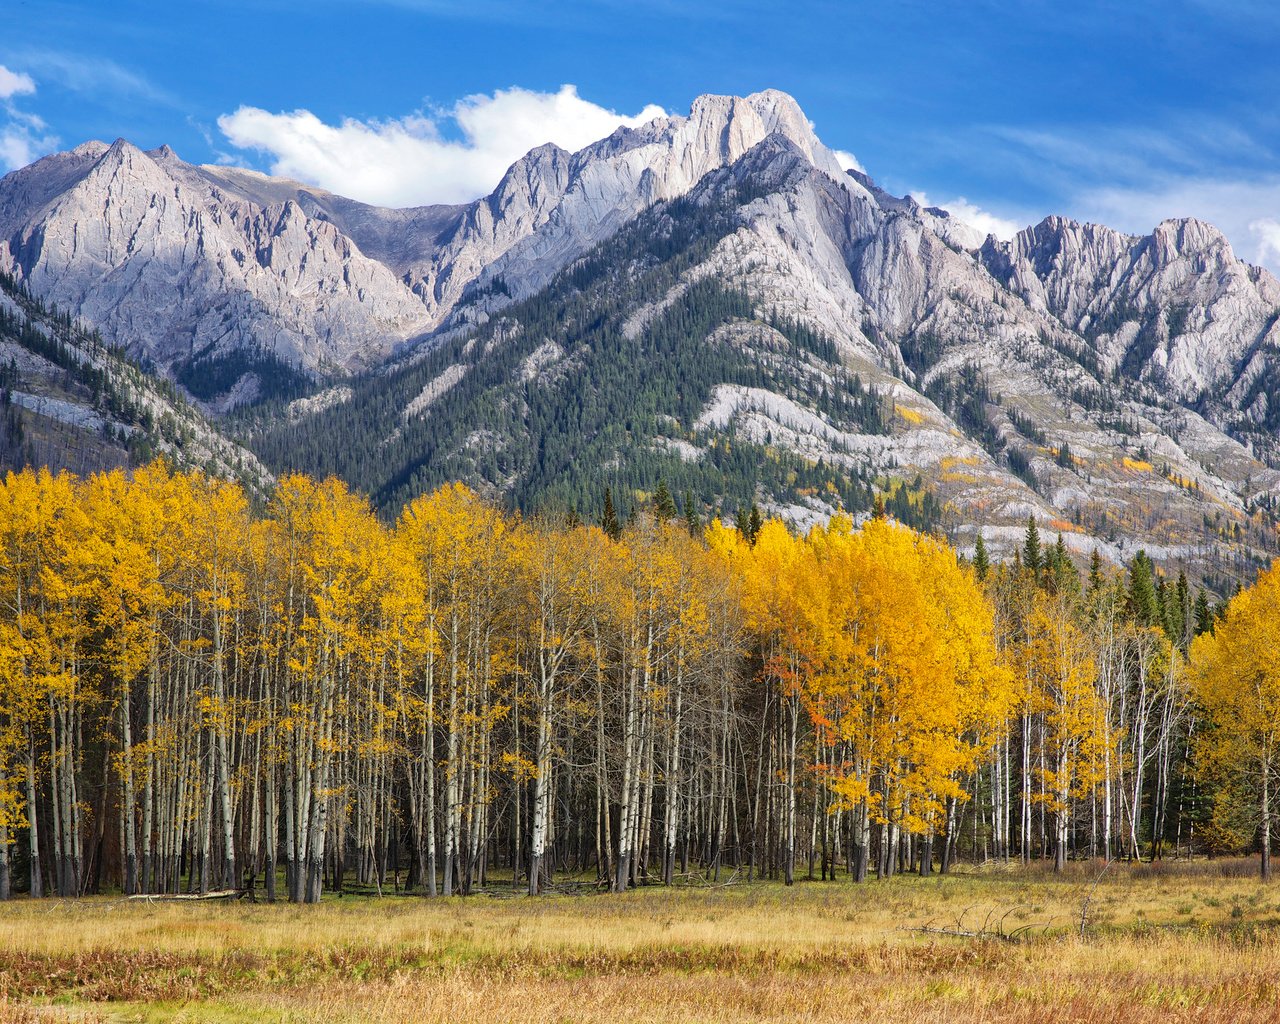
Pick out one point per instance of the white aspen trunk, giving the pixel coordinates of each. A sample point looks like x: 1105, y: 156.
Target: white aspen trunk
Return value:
x: 129, y: 824
x: 228, y: 872
x: 1139, y: 761
x: 453, y: 770
x: 673, y: 781
x: 793, y: 709
x: 626, y: 825
x: 1265, y: 865
x: 36, y: 888
x: 429, y: 794
x: 1025, y: 824
x: 542, y: 755
x: 149, y: 883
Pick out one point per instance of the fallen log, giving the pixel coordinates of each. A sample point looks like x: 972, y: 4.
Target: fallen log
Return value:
x: 169, y: 897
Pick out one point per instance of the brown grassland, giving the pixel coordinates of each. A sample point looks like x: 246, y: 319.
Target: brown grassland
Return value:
x: 1198, y: 941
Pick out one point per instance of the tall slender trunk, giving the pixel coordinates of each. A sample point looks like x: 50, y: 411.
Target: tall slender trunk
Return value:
x: 36, y: 888
x: 129, y: 825
x: 1266, y: 816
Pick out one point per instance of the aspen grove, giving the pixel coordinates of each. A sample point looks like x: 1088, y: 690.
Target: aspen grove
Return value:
x: 198, y: 695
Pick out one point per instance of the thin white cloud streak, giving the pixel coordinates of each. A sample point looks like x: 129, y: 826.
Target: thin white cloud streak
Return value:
x: 1133, y: 177
x: 15, y: 83
x: 409, y: 161
x: 23, y: 135
x: 93, y: 77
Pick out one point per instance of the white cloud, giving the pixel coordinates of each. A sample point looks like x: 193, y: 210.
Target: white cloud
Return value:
x: 23, y: 137
x: 98, y: 79
x: 1267, y: 232
x: 982, y: 221
x: 848, y: 161
x: 15, y: 83
x: 409, y: 161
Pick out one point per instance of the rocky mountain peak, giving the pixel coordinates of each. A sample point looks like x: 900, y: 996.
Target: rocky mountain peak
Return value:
x: 164, y: 154
x: 91, y: 149
x: 1186, y: 236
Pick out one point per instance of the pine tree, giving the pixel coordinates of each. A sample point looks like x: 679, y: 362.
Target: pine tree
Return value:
x: 981, y: 564
x: 1095, y: 572
x: 1184, y: 613
x: 664, y: 506
x: 755, y: 523
x: 1203, y: 613
x: 1031, y: 554
x: 691, y: 518
x: 1143, y: 601
x: 877, y: 507
x: 609, y: 519
x: 1061, y: 570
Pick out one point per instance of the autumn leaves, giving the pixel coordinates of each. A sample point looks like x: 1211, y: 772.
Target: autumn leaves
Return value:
x: 1237, y: 681
x: 198, y: 694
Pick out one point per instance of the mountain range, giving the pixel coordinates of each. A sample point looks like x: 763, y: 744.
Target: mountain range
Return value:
x: 710, y: 300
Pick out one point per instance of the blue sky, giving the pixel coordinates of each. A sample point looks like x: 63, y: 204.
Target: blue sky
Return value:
x: 1006, y: 111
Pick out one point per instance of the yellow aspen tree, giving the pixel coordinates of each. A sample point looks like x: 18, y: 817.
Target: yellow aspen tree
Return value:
x: 1058, y: 662
x: 1236, y: 683
x: 554, y: 571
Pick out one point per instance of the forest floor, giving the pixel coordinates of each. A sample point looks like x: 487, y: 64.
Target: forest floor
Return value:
x: 1194, y: 941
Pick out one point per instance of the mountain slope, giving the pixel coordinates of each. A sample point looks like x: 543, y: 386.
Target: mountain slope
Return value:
x: 233, y: 298
x: 68, y: 401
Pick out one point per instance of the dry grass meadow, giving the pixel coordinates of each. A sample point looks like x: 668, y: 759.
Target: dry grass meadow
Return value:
x: 1198, y: 942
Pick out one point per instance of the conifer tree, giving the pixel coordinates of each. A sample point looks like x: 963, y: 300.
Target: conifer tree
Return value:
x: 1203, y: 613
x: 1065, y: 577
x: 1095, y: 573
x: 609, y: 519
x: 981, y: 564
x: 664, y: 506
x: 691, y: 518
x: 1143, y: 601
x: 1184, y: 614
x: 1032, y: 557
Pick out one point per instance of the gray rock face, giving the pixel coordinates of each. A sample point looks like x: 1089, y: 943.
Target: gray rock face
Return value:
x: 159, y: 257
x: 1059, y: 375
x: 552, y: 207
x: 1175, y: 307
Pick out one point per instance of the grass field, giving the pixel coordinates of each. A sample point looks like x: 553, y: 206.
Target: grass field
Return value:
x: 1194, y: 942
